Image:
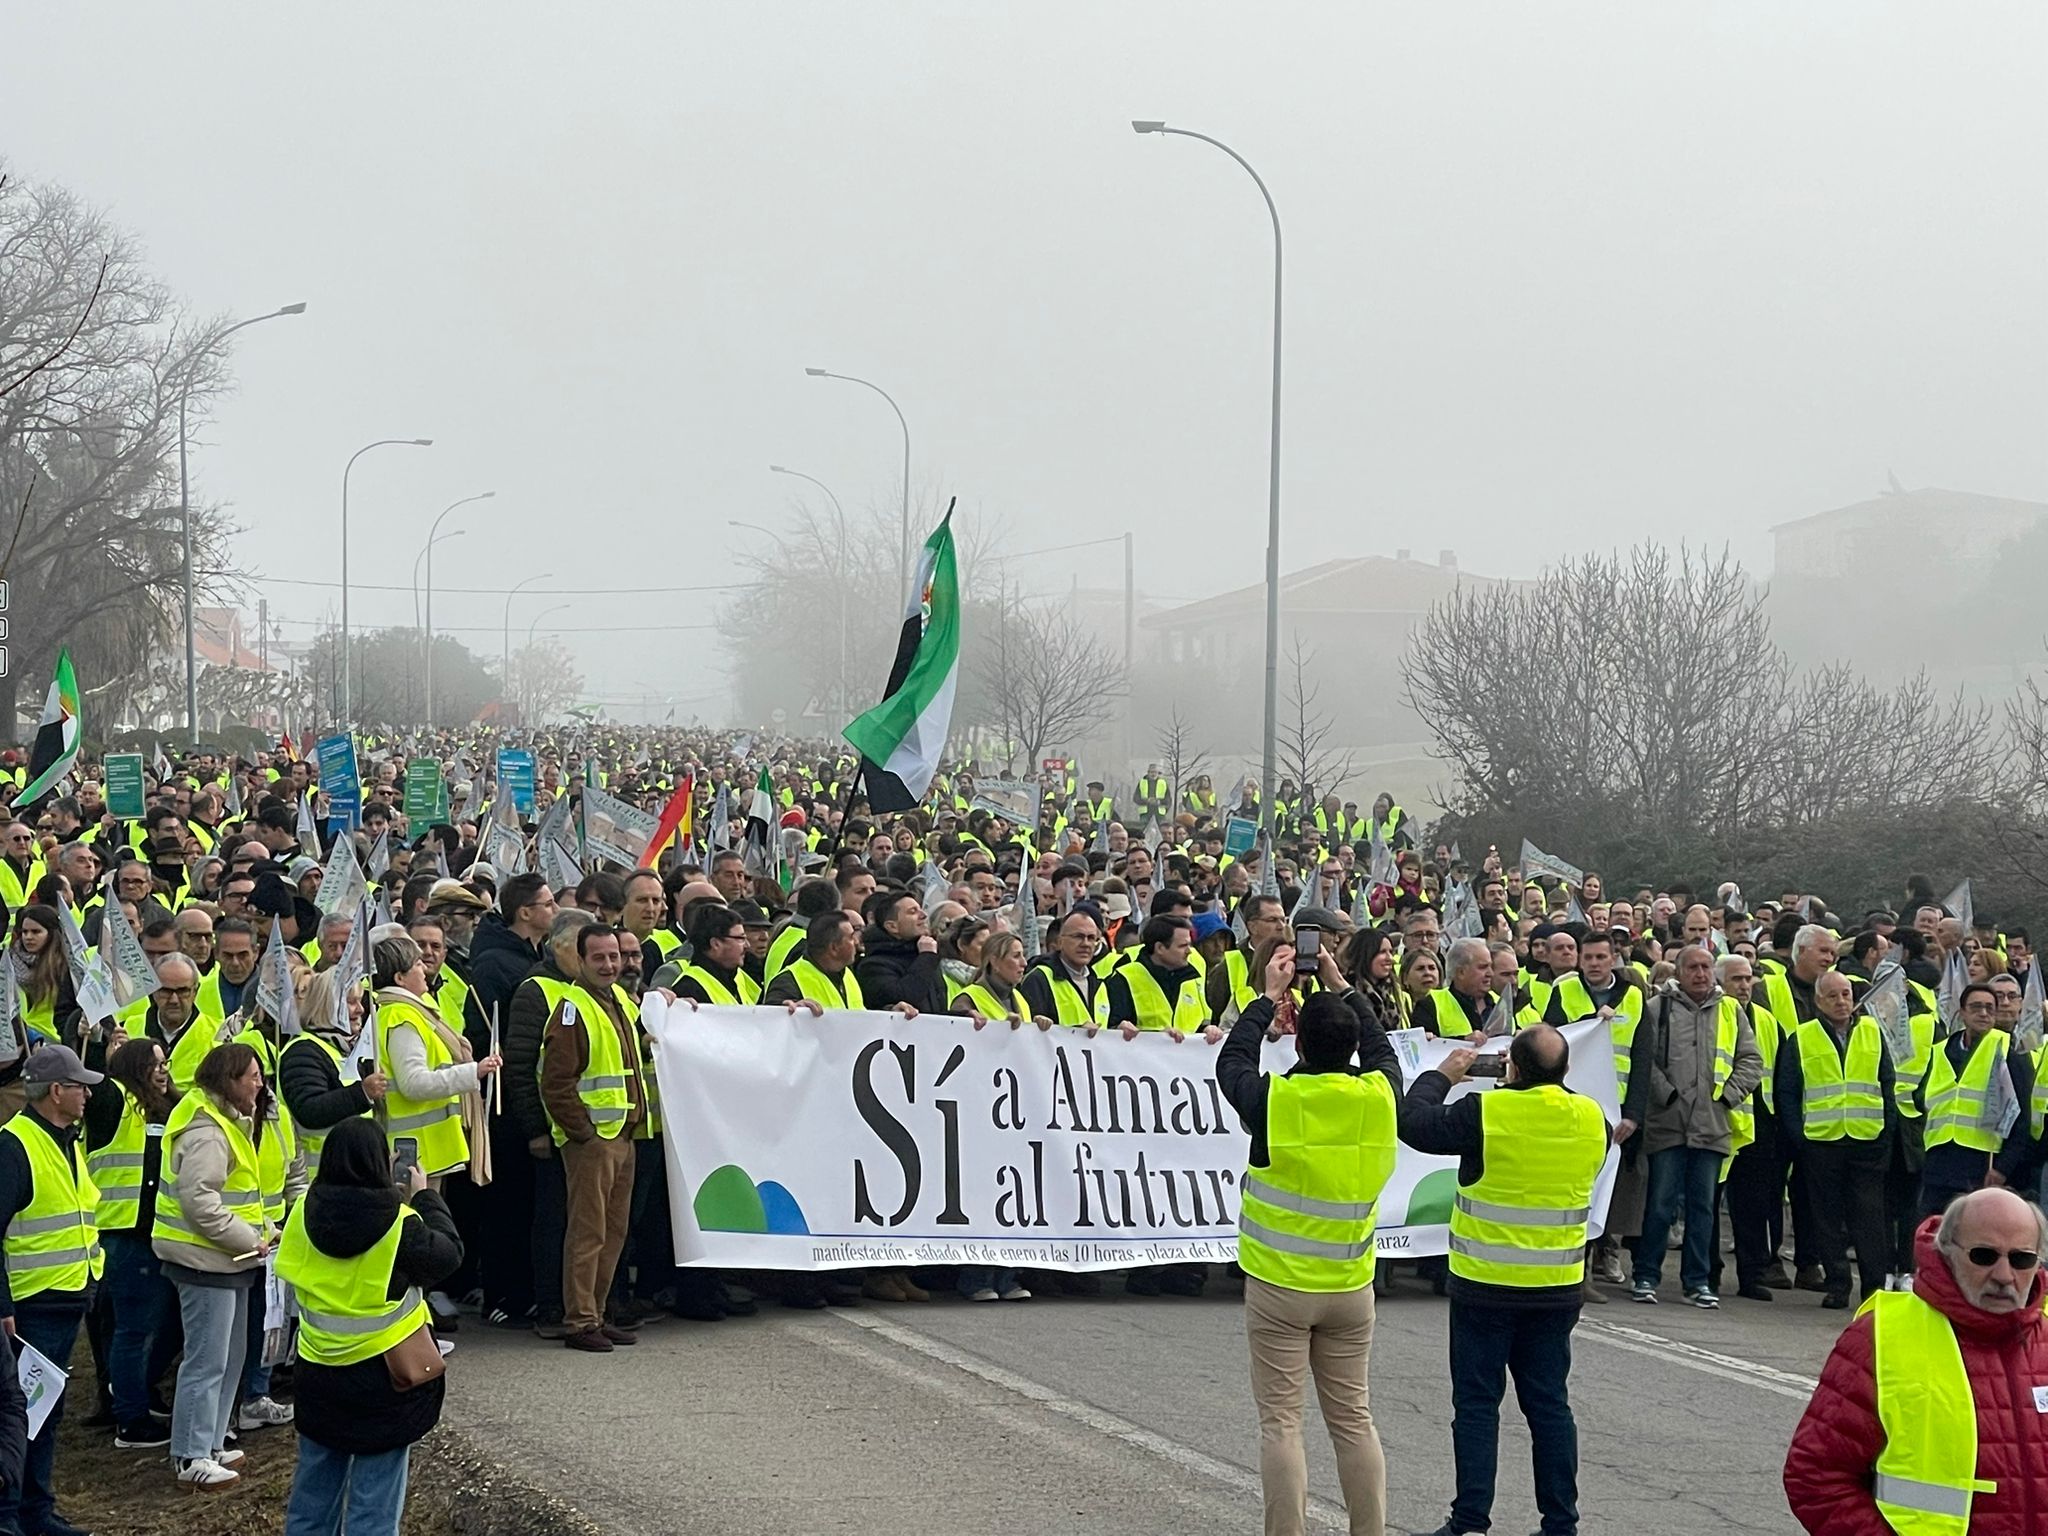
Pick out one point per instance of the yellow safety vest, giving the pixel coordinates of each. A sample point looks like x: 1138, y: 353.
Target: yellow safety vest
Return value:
x: 242, y: 1194
x: 1522, y: 1223
x: 1926, y: 1475
x: 116, y: 1168
x: 1305, y: 1221
x: 603, y: 1085
x: 1913, y: 1070
x: 1955, y: 1105
x: 1187, y: 1012
x: 1237, y: 965
x: 18, y: 890
x: 195, y: 1041
x: 53, y: 1242
x: 747, y: 993
x: 437, y: 1123
x: 1451, y: 1023
x: 781, y: 949
x: 1841, y: 1091
x: 984, y: 1002
x: 650, y: 1090
x: 2038, y: 1116
x: 819, y: 988
x: 346, y: 1313
x: 1069, y: 1006
x: 276, y: 1144
x: 307, y: 1137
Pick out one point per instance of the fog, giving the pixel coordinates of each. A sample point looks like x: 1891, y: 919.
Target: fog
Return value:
x: 1559, y: 277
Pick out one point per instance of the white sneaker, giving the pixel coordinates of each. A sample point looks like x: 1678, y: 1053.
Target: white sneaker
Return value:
x: 229, y: 1457
x: 203, y: 1474
x: 1016, y: 1293
x: 984, y: 1294
x: 446, y: 1346
x: 263, y: 1413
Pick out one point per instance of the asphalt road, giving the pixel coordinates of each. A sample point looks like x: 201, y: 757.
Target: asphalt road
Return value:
x: 1117, y: 1416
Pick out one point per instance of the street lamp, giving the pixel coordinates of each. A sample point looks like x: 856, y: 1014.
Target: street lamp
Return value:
x: 347, y: 670
x: 1270, y: 745
x: 839, y: 516
x: 481, y: 496
x: 903, y: 546
x: 558, y: 608
x: 427, y: 554
x: 185, y: 523
x: 505, y: 661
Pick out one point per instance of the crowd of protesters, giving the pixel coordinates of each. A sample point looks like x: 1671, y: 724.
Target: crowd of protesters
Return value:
x: 484, y: 1020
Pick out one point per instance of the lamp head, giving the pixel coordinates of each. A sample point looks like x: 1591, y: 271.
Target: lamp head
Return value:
x: 816, y: 373
x: 485, y: 495
x: 293, y: 309
x: 1147, y: 125
x: 777, y: 469
x: 423, y: 442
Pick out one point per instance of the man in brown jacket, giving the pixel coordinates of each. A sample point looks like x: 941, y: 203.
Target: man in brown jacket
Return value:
x: 597, y: 1160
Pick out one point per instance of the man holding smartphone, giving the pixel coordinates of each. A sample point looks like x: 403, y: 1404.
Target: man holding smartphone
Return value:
x: 1528, y: 1153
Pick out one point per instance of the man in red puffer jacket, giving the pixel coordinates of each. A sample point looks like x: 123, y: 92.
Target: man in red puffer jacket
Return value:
x: 1979, y: 1420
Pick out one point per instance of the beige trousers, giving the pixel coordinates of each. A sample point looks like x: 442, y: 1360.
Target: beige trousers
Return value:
x: 599, y: 1173
x: 1327, y: 1335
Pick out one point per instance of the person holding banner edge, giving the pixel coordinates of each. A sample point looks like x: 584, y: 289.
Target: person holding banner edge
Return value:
x: 1322, y: 1149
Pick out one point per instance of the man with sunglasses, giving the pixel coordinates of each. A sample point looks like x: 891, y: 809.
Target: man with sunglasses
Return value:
x: 1932, y: 1412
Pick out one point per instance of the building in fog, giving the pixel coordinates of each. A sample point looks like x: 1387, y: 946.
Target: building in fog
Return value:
x: 1361, y: 610
x: 1901, y: 541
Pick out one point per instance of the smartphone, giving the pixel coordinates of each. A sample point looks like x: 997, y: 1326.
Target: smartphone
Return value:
x: 1488, y: 1066
x: 405, y: 1156
x: 1308, y: 948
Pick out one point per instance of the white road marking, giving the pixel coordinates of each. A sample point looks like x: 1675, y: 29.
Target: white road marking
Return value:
x: 1693, y: 1358
x: 1321, y: 1512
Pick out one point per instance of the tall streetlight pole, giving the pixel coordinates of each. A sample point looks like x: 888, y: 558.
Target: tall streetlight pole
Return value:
x: 480, y: 496
x: 505, y: 662
x: 839, y: 516
x: 1270, y: 751
x: 185, y: 524
x: 427, y: 554
x: 903, y: 543
x: 558, y: 608
x: 348, y: 715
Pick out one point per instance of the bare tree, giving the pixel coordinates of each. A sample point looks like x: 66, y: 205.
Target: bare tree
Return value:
x: 95, y: 355
x: 544, y: 679
x: 1046, y: 681
x: 1305, y: 753
x: 1182, y: 760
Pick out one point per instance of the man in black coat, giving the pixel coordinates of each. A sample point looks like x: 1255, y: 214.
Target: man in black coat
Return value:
x: 899, y: 962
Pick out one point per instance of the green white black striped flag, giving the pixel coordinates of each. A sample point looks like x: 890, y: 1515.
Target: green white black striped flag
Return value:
x: 902, y: 738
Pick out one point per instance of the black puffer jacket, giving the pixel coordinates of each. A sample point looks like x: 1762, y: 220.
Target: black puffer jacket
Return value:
x: 526, y: 1028
x: 891, y: 971
x: 311, y: 1086
x: 354, y: 1408
x: 498, y: 961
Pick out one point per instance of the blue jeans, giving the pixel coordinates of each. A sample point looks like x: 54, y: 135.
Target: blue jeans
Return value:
x: 52, y: 1331
x: 1690, y: 1175
x: 1536, y: 1344
x: 980, y: 1277
x: 333, y: 1492
x: 255, y: 1374
x: 216, y: 1336
x: 142, y: 1301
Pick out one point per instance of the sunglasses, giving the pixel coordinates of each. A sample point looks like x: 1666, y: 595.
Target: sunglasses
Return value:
x: 2018, y: 1258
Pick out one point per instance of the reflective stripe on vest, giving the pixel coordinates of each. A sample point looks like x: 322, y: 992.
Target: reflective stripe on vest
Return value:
x: 1956, y: 1105
x: 242, y: 1194
x: 1908, y: 1074
x: 309, y: 1138
x: 345, y: 1311
x: 1926, y: 1474
x: 53, y: 1242
x: 1188, y: 1012
x: 1305, y: 1220
x: 116, y: 1169
x: 1842, y: 1094
x: 602, y: 1087
x: 1522, y: 1223
x: 436, y: 1123
x: 1237, y: 965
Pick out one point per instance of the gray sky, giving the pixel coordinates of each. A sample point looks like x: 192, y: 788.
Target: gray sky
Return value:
x: 1559, y: 276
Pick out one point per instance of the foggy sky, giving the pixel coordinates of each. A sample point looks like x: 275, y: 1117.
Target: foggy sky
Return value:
x: 1559, y: 277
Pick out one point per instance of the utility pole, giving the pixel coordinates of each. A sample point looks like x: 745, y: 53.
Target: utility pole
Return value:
x: 263, y: 631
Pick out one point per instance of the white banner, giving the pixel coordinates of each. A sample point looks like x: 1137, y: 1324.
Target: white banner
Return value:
x: 869, y: 1139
